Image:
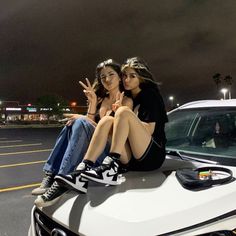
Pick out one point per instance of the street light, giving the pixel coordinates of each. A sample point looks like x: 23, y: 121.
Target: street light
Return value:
x: 224, y: 91
x: 171, y: 98
x: 73, y: 104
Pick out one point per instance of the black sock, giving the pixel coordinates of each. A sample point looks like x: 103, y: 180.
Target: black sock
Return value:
x: 88, y: 163
x: 114, y: 156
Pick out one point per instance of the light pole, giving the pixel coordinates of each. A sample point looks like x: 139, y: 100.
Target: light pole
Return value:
x: 228, y: 80
x: 224, y: 91
x: 171, y: 98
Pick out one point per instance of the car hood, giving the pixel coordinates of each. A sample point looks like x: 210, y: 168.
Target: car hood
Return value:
x: 147, y: 203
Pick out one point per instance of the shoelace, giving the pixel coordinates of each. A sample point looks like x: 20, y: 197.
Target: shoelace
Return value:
x: 46, y: 180
x: 51, y: 190
x: 78, y: 172
x: 102, y: 167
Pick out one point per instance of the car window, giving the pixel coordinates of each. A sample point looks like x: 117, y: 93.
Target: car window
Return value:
x: 209, y: 132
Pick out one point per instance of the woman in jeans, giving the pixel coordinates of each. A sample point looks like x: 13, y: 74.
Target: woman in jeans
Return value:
x: 74, y: 138
x: 143, y: 128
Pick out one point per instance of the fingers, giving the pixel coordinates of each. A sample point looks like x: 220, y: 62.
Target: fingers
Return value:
x: 121, y: 98
x: 83, y: 85
x: 88, y: 83
x: 115, y: 106
x: 118, y: 96
x: 68, y: 115
x: 88, y: 93
x: 88, y: 87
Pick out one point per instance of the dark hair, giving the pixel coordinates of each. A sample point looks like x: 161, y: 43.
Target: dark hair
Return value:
x: 100, y: 91
x: 142, y: 69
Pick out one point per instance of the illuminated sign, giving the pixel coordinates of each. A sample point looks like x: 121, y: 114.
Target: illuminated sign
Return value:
x: 45, y: 109
x: 31, y: 109
x: 13, y: 109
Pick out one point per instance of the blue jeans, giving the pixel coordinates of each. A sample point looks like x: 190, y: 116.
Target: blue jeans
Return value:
x: 70, y: 148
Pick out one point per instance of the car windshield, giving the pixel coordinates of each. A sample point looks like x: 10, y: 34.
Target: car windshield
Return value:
x: 207, y: 133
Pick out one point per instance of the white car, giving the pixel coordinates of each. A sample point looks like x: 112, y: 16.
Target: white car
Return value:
x: 201, y: 133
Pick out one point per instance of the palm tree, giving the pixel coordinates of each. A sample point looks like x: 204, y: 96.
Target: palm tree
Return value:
x: 217, y: 79
x: 228, y: 80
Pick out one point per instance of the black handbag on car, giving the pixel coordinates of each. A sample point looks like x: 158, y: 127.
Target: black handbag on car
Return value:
x: 204, y: 177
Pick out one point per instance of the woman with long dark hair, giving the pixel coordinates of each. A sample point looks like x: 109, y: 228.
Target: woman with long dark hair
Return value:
x: 75, y: 137
x: 142, y: 128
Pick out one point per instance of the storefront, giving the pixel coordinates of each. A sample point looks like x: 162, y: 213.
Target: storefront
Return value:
x: 13, y: 112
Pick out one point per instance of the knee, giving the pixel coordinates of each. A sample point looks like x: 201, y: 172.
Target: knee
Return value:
x: 123, y: 112
x: 106, y: 121
x: 81, y: 119
x: 79, y: 122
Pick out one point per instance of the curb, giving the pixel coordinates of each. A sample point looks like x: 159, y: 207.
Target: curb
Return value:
x: 30, y: 126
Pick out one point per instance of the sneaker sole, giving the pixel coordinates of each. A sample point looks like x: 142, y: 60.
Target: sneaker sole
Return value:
x: 39, y: 193
x: 100, y: 180
x: 47, y: 204
x: 66, y: 183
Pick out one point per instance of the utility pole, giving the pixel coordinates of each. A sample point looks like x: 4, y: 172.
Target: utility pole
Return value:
x: 228, y: 80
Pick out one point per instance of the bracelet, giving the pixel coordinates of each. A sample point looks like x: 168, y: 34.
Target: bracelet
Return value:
x: 92, y: 114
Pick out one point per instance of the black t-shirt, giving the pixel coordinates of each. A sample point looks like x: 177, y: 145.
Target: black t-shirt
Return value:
x: 152, y: 109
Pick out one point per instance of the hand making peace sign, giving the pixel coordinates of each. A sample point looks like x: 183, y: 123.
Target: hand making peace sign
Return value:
x: 89, y: 91
x: 118, y: 102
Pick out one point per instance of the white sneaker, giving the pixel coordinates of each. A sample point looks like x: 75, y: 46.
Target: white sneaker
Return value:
x: 73, y: 181
x: 107, y: 173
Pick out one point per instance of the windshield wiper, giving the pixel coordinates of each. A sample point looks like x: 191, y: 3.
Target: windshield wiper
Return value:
x: 184, y: 157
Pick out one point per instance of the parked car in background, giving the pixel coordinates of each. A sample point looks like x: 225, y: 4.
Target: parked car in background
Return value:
x: 201, y: 133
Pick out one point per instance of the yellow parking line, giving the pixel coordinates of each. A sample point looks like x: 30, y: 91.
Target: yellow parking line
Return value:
x: 11, y: 141
x: 22, y: 164
x: 22, y: 145
x: 25, y: 152
x: 19, y: 187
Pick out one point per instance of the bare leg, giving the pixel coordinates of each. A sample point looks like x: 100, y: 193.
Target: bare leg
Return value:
x: 126, y: 154
x: 99, y: 138
x: 101, y: 135
x: 128, y: 126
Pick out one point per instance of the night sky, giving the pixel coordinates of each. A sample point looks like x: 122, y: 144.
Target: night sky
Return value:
x: 47, y: 46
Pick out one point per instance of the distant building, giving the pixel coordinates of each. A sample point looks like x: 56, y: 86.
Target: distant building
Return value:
x: 12, y: 111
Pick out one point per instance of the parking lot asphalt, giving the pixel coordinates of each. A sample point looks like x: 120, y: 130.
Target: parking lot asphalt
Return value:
x: 23, y: 152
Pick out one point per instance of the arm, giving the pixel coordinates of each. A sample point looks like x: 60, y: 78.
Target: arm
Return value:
x: 122, y: 101
x: 92, y: 107
x: 149, y: 110
x: 148, y: 126
x: 92, y: 99
x: 127, y: 102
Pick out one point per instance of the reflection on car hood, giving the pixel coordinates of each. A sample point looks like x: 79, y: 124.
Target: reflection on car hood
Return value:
x: 147, y: 203
x: 209, y: 103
